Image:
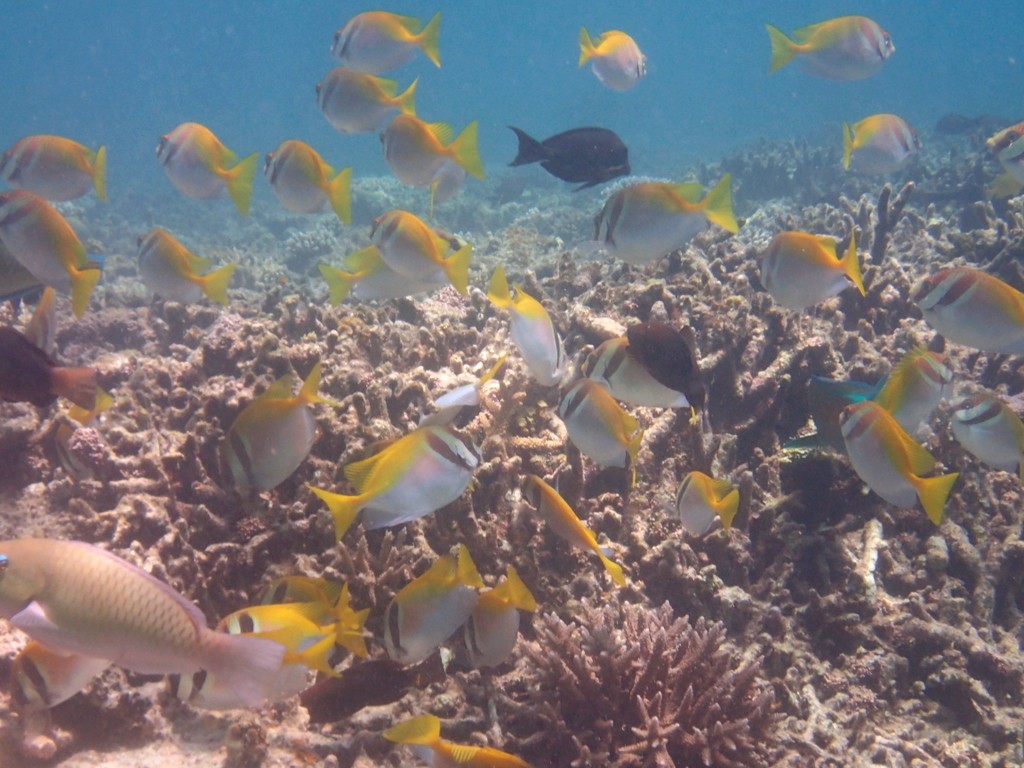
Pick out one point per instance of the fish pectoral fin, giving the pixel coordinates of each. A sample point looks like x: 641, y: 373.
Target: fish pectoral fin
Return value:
x: 32, y: 619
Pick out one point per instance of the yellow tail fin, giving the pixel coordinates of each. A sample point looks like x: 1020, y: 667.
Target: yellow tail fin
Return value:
x: 339, y: 282
x: 344, y: 509
x: 718, y: 205
x: 466, y: 152
x: 406, y: 101
x: 339, y: 192
x: 425, y: 730
x: 783, y: 49
x: 239, y: 182
x: 456, y: 267
x: 614, y: 570
x: 99, y: 174
x: 847, y: 146
x: 851, y: 266
x: 933, y: 492
x: 429, y: 38
x: 497, y: 289
x: 83, y: 283
x: 215, y: 284
x: 519, y: 594
x: 727, y: 508
x: 587, y: 48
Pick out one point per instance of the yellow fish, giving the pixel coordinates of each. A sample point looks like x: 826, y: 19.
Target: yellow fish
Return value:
x: 915, y: 387
x: 76, y: 414
x: 355, y: 102
x: 701, y: 499
x: 451, y: 403
x: 531, y: 328
x: 845, y: 48
x: 423, y: 734
x: 492, y: 629
x: 379, y: 41
x: 411, y: 248
x: 879, y: 144
x: 199, y: 166
x: 304, y: 183
x: 599, y: 427
x: 42, y: 678
x: 55, y: 168
x: 615, y: 58
x: 416, y: 151
x: 368, y: 278
x: 800, y: 269
x: 169, y: 269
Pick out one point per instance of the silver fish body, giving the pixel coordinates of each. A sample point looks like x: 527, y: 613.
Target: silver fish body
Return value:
x: 985, y: 426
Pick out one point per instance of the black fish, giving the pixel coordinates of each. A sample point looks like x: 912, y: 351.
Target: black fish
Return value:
x: 590, y: 155
x: 28, y: 375
x: 670, y: 357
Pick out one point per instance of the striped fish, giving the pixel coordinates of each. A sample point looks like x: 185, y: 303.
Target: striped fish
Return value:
x: 201, y: 167
x: 701, y: 499
x: 493, y: 627
x: 879, y: 144
x: 599, y: 427
x: 987, y: 427
x: 531, y: 328
x: 411, y: 248
x: 55, y: 168
x: 915, y: 387
x: 800, y: 269
x: 304, y: 183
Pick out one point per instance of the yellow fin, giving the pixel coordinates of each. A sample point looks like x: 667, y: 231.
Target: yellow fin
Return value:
x: 851, y: 266
x: 462, y: 753
x: 690, y: 191
x: 425, y: 730
x: 429, y: 37
x: 456, y: 267
x: 83, y: 283
x: 340, y: 195
x: 442, y: 132
x: 933, y: 492
x: 497, y: 289
x: 727, y: 506
x: 465, y: 151
x: 467, y: 573
x: 215, y: 284
x: 921, y: 461
x: 358, y: 472
x: 239, y: 182
x: 1004, y: 186
x: 783, y: 49
x: 99, y: 174
x: 406, y: 101
x: 718, y: 205
x: 344, y: 509
x: 614, y: 569
x: 587, y: 48
x: 847, y: 146
x: 519, y: 594
x: 339, y: 283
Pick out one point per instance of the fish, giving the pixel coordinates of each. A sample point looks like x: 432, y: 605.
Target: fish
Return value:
x: 367, y: 277
x: 16, y: 282
x: 272, y: 435
x: 492, y: 629
x: 643, y: 222
x: 201, y: 167
x: 43, y: 242
x: 77, y: 418
x: 1008, y: 147
x: 355, y: 102
x: 415, y: 475
x: 879, y: 144
x: 411, y: 248
x: 599, y: 427
x: 989, y: 429
x: 613, y: 366
x: 29, y: 375
x: 42, y: 678
x: 378, y: 41
x: 76, y: 598
x: 670, y: 357
x: 973, y: 308
x: 589, y: 155
x: 423, y: 734
x: 55, y: 168
x: 430, y: 608
x: 304, y: 183
x: 915, y: 387
x: 532, y: 330
x: 891, y: 462
x: 561, y: 518
x: 448, y: 180
x: 701, y: 499
x: 452, y: 403
x: 416, y: 151
x: 826, y: 399
x: 614, y: 57
x: 800, y: 269
x: 41, y: 329
x: 844, y: 48
x: 169, y: 269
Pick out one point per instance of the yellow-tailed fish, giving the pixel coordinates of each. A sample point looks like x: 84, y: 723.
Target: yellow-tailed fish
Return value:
x: 302, y: 589
x: 55, y: 168
x: 879, y: 144
x: 355, y: 102
x: 643, y: 222
x: 416, y: 151
x: 368, y: 278
x: 701, y: 499
x: 199, y: 166
x: 915, y: 387
x: 452, y: 403
x: 891, y: 462
x: 845, y: 48
x: 423, y: 735
x: 531, y: 329
x: 273, y: 435
x: 614, y: 58
x: 171, y: 270
x: 78, y: 418
x: 800, y: 269
x: 76, y: 598
x: 379, y: 41
x: 46, y: 245
x: 599, y: 427
x: 29, y: 375
x: 561, y: 518
x: 42, y: 678
x: 42, y: 326
x: 411, y: 248
x: 417, y: 474
x: 430, y: 608
x: 973, y: 308
x: 987, y: 427
x: 492, y: 629
x: 304, y: 183
x: 1008, y: 147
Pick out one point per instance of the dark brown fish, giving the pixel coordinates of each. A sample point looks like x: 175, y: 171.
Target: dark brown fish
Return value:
x: 29, y: 375
x: 670, y: 356
x: 590, y: 155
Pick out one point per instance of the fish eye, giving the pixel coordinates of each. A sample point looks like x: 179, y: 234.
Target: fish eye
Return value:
x: 4, y: 561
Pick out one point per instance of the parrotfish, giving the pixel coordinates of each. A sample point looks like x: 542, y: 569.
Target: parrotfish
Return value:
x: 272, y: 435
x: 423, y: 734
x: 973, y: 308
x: 169, y: 269
x: 701, y: 499
x: 531, y: 328
x: 355, y: 102
x: 915, y: 387
x: 826, y: 399
x: 416, y: 151
x: 588, y: 155
x: 561, y: 518
x: 879, y: 144
x: 801, y: 269
x: 367, y: 277
x: 891, y: 462
x: 492, y: 629
x: 304, y: 183
x: 599, y: 427
x: 199, y: 166
x: 411, y: 248
x: 845, y: 48
x: 643, y: 222
x: 615, y: 58
x: 79, y: 418
x: 379, y: 41
x: 41, y: 329
x: 42, y: 678
x: 987, y: 427
x: 76, y: 598
x: 55, y: 168
x: 29, y: 375
x: 452, y: 403
x: 46, y: 245
x: 423, y: 471
x: 1008, y: 147
x: 430, y: 608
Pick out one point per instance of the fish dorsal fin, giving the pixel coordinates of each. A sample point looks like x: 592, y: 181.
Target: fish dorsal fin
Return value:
x: 519, y: 594
x: 894, y: 389
x: 279, y: 390
x: 690, y: 191
x: 366, y: 260
x: 388, y: 87
x: 198, y: 264
x: 409, y: 23
x: 443, y: 132
x: 492, y: 372
x: 828, y: 243
x: 461, y: 753
x: 425, y: 729
x: 467, y: 573
x: 360, y: 472
x: 720, y: 489
x: 921, y: 461
x: 497, y: 288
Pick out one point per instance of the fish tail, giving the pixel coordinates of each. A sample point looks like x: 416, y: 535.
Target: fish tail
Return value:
x: 315, y: 657
x: 339, y: 282
x: 465, y: 151
x: 851, y: 266
x: 847, y: 146
x: 614, y: 569
x: 519, y: 594
x: 406, y: 101
x: 77, y: 385
x: 339, y: 192
x: 530, y: 150
x: 718, y: 205
x: 587, y: 48
x: 784, y: 50
x: 99, y: 174
x: 456, y: 267
x: 933, y: 492
x: 83, y: 283
x: 429, y: 39
x: 344, y: 509
x: 247, y: 665
x: 239, y: 182
x: 497, y: 289
x: 310, y: 387
x: 215, y: 284
x: 728, y: 507
x: 425, y: 730
x: 349, y: 634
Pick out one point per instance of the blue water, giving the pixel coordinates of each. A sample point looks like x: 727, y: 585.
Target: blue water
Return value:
x: 123, y: 72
